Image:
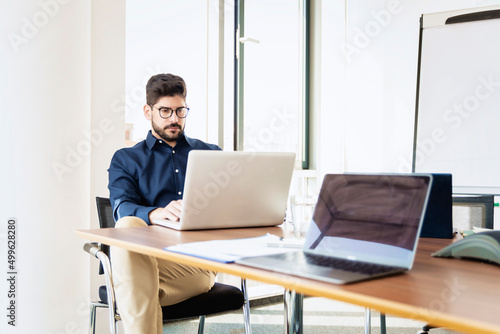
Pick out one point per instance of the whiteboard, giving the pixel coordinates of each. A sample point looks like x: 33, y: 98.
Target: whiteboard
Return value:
x: 457, y: 120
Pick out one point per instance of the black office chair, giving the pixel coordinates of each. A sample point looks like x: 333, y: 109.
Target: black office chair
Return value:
x: 221, y: 298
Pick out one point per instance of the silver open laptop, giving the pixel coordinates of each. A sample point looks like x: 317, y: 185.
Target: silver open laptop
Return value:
x: 234, y: 189
x: 363, y: 226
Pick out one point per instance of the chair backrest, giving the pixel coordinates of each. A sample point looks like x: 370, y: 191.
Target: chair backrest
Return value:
x: 438, y: 222
x: 471, y: 211
x: 105, y: 214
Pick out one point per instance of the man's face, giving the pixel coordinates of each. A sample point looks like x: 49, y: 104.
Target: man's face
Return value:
x: 169, y: 129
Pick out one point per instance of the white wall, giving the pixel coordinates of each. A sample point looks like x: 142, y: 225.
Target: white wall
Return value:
x: 48, y: 135
x: 45, y: 113
x: 328, y: 88
x: 108, y: 99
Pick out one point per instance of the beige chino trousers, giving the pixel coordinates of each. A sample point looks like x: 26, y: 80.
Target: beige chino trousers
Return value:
x: 144, y: 283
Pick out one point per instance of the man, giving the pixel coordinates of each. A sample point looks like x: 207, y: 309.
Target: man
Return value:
x: 146, y: 182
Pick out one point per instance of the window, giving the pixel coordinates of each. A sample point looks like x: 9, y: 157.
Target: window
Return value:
x: 265, y: 108
x: 271, y: 108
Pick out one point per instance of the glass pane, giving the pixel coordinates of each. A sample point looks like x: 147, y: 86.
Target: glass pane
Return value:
x: 272, y: 76
x: 167, y: 37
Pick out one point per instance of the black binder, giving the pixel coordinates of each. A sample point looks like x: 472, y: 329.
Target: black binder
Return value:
x: 438, y: 216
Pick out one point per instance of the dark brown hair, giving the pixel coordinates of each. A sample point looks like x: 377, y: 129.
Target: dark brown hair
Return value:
x: 161, y: 85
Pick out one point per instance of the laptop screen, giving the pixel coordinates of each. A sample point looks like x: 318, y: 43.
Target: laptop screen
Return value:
x: 374, y: 218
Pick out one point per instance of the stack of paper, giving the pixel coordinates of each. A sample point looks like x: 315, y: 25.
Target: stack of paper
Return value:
x: 235, y: 249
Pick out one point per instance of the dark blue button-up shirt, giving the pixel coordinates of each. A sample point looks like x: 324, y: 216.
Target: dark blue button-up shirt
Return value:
x: 149, y: 175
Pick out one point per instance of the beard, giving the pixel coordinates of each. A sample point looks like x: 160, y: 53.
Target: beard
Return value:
x: 163, y: 132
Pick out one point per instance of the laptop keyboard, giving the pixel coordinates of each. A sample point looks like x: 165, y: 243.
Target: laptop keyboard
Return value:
x: 348, y: 265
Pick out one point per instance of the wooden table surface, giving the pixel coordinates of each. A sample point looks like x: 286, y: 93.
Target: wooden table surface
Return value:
x: 461, y: 295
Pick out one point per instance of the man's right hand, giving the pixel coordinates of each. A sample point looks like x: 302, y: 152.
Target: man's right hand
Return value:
x: 171, y: 212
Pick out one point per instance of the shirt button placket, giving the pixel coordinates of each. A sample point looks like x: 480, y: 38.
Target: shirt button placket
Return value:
x: 176, y: 170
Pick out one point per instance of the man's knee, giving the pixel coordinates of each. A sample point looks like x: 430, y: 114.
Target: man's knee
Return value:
x: 130, y: 221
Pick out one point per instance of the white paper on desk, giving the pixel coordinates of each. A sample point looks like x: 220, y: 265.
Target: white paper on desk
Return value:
x: 234, y: 249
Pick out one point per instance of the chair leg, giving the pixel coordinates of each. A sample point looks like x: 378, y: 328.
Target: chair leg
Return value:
x: 383, y: 327
x: 114, y: 318
x: 425, y: 329
x: 246, y: 307
x: 368, y: 320
x: 201, y: 325
x: 92, y: 318
x: 293, y: 303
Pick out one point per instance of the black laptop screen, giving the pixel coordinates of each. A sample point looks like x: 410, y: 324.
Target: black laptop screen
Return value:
x: 368, y: 211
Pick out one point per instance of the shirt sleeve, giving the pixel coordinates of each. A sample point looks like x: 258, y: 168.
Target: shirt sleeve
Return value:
x: 124, y: 190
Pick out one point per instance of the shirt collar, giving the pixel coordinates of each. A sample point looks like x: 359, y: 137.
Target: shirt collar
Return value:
x: 152, y: 140
x: 188, y: 140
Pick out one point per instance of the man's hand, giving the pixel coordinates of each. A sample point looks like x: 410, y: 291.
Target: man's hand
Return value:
x: 171, y: 212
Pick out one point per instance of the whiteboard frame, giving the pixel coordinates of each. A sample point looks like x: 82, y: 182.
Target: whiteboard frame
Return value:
x: 440, y: 18
x: 432, y: 20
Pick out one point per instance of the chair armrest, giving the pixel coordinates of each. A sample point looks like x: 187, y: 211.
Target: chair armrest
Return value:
x: 92, y: 248
x: 95, y: 250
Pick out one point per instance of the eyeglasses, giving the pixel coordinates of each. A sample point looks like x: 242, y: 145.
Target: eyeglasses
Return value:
x: 181, y: 112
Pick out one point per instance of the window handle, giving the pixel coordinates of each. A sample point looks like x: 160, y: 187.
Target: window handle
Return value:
x: 243, y: 40
x: 248, y: 39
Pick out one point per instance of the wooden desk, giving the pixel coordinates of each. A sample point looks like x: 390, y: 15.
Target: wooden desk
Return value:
x: 457, y: 294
